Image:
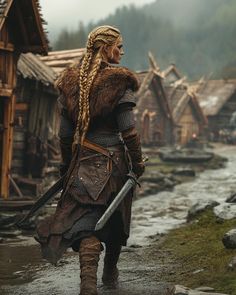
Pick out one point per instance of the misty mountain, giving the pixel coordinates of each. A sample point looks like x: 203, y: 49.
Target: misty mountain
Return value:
x: 197, y: 35
x: 183, y: 13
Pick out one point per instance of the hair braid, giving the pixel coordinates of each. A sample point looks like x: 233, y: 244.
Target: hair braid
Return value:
x: 89, y: 68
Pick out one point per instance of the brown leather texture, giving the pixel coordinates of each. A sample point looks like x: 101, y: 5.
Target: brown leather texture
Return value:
x: 94, y: 172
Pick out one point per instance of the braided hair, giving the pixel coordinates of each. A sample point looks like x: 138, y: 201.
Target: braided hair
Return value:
x: 100, y: 36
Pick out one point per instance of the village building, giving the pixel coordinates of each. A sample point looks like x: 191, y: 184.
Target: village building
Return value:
x: 171, y: 74
x: 153, y: 114
x: 167, y: 110
x: 217, y: 98
x: 21, y: 30
x: 187, y: 114
x: 36, y: 149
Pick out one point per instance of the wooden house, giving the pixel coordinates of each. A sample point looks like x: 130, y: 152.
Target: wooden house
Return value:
x: 168, y: 111
x: 37, y: 121
x: 21, y: 30
x: 217, y: 98
x: 153, y: 114
x: 187, y: 114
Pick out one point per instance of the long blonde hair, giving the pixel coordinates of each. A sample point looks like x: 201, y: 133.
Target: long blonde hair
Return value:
x: 100, y: 36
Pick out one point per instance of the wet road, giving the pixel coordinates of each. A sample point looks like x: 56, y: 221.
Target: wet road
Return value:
x: 22, y: 271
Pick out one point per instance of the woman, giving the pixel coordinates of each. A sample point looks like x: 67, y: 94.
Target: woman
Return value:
x: 97, y: 126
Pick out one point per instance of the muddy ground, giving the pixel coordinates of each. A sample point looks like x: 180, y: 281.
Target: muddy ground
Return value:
x: 141, y: 271
x: 146, y: 267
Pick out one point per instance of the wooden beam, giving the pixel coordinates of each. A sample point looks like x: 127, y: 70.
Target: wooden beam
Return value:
x: 9, y: 110
x: 6, y: 92
x: 6, y: 46
x: 22, y: 107
x: 44, y: 47
x: 5, y: 13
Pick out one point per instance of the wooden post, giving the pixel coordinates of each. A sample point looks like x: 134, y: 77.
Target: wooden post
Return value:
x: 7, y: 145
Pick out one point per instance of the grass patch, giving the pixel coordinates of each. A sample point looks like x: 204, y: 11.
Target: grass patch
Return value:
x: 198, y: 246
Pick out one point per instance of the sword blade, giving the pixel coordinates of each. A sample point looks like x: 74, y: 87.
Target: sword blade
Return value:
x: 115, y: 203
x: 42, y: 201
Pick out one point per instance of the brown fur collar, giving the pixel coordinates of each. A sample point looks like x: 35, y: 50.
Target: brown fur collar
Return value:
x: 109, y: 86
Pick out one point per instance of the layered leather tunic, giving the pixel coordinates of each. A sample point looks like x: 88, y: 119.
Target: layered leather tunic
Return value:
x: 93, y: 178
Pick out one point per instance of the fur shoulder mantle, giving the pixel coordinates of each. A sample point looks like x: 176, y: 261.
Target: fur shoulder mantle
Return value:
x: 109, y: 86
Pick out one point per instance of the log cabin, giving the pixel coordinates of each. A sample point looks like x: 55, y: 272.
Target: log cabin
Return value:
x: 153, y: 115
x: 36, y: 149
x: 21, y: 30
x: 187, y: 114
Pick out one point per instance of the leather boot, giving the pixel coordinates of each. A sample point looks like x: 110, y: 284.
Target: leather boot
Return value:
x: 110, y: 270
x: 89, y: 252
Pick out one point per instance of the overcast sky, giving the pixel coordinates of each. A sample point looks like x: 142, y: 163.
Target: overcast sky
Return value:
x: 68, y: 13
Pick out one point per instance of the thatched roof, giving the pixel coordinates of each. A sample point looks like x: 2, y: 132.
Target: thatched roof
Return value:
x: 213, y: 94
x: 152, y: 89
x: 59, y: 60
x: 26, y: 23
x: 47, y: 68
x: 30, y: 66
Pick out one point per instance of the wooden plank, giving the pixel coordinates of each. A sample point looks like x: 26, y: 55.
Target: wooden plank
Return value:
x: 16, y: 204
x: 7, y: 46
x: 16, y: 188
x: 22, y: 106
x: 5, y: 154
x: 9, y: 109
x: 6, y: 92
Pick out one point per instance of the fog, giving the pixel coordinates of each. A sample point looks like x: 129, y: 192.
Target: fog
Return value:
x: 61, y: 14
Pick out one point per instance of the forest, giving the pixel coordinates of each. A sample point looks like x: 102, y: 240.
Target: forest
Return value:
x: 197, y: 35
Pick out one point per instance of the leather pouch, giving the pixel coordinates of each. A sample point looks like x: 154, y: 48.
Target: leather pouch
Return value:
x: 94, y: 172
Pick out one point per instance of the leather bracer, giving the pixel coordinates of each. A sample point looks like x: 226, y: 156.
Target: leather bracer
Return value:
x: 132, y: 141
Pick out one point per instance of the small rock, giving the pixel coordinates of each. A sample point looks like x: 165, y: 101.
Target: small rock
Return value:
x: 231, y: 199
x: 199, y: 208
x: 204, y: 289
x: 232, y: 264
x: 198, y: 270
x: 168, y: 183
x: 184, y: 172
x: 229, y: 239
x: 181, y: 290
x: 226, y: 211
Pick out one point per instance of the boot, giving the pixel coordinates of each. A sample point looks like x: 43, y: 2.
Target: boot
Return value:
x: 110, y: 270
x: 89, y: 252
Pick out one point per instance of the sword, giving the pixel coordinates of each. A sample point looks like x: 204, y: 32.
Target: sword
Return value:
x: 42, y: 201
x: 131, y: 182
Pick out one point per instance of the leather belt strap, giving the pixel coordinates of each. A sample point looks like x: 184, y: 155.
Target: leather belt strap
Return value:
x: 97, y: 148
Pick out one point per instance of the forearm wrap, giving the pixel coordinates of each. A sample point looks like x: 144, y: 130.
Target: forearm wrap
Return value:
x: 132, y: 141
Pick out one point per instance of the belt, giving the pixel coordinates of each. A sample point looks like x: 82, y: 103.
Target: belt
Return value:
x: 95, y: 147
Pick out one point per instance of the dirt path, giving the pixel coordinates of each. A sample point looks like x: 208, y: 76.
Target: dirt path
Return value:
x: 141, y: 270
